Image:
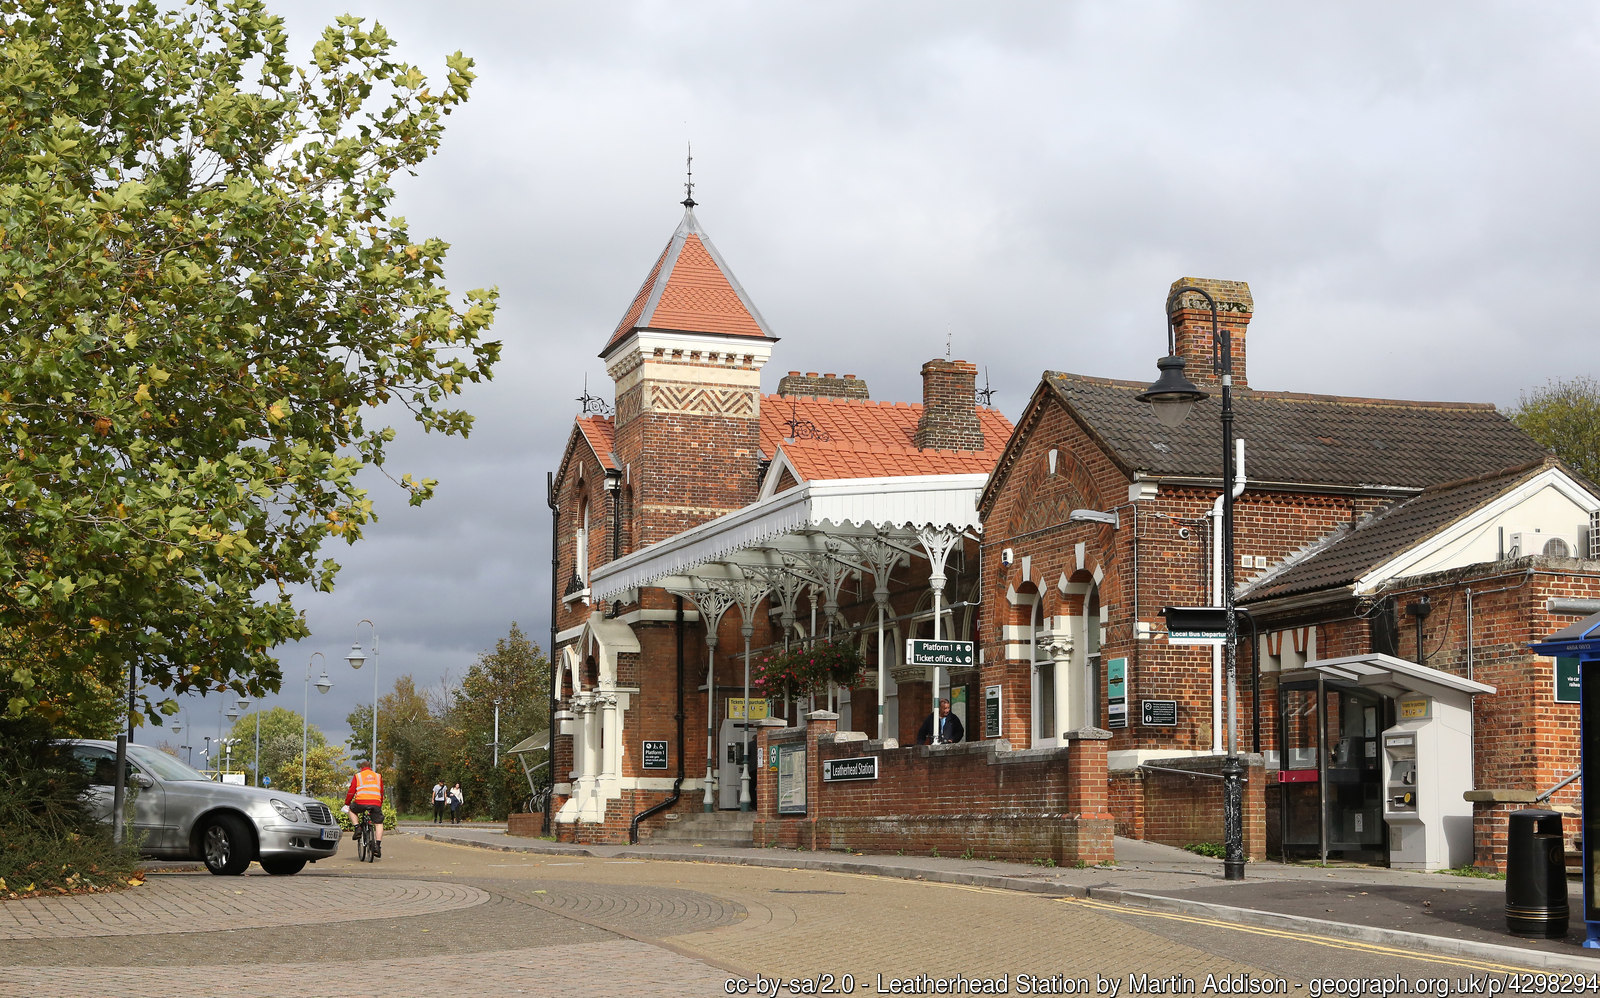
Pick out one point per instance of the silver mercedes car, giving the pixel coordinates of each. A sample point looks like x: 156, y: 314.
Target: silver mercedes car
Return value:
x: 178, y: 813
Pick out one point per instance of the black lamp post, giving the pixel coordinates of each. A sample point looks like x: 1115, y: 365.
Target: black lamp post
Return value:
x: 1172, y: 396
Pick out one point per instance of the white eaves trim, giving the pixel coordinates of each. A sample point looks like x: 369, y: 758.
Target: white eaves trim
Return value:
x: 846, y: 505
x: 1449, y: 547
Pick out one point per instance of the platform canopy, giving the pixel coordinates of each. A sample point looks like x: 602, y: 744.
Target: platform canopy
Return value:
x: 1392, y: 676
x: 798, y: 531
x: 1580, y: 640
x: 536, y: 742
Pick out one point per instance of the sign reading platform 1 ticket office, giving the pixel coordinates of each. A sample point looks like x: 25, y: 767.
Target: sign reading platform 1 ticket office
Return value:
x: 860, y: 768
x: 950, y: 654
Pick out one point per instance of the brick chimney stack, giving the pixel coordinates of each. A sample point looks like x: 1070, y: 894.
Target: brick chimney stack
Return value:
x: 828, y: 386
x: 949, y: 419
x: 1191, y: 323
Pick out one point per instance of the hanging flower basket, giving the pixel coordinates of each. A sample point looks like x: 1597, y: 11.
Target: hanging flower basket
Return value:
x: 807, y: 669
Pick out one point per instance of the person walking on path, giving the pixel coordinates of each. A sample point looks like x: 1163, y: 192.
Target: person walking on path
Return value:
x: 456, y: 800
x: 441, y: 798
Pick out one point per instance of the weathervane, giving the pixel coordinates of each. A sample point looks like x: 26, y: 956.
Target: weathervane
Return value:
x: 803, y: 429
x: 985, y: 395
x: 592, y: 404
x: 688, y: 187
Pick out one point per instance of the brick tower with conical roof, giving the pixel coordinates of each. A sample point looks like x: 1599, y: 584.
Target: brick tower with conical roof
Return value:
x: 687, y: 360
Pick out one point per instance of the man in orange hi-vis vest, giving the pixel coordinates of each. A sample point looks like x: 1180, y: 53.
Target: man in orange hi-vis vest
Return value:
x: 366, y: 794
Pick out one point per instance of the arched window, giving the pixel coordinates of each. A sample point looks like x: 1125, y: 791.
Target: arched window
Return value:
x: 580, y: 542
x: 1044, y: 679
x: 1091, y: 659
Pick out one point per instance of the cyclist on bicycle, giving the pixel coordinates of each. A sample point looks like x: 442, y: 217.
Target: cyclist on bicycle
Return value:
x: 366, y: 794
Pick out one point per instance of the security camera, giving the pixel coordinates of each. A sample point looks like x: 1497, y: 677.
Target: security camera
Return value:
x: 1183, y: 533
x: 1007, y: 557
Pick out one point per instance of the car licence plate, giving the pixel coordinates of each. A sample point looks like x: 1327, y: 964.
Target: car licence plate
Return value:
x: 331, y: 834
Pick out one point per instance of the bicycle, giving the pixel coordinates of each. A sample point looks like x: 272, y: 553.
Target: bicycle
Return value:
x: 363, y: 836
x: 536, y: 801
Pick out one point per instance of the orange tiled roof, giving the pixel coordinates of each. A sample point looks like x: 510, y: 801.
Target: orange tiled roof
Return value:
x: 691, y: 290
x: 600, y: 433
x: 863, y: 439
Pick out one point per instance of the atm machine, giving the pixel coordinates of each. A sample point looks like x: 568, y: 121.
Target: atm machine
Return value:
x: 1427, y: 770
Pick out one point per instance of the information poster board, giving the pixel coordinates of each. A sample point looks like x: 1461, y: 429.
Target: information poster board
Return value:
x: 655, y: 754
x: 1159, y: 713
x: 1566, y: 675
x: 759, y: 709
x: 991, y: 712
x: 791, y: 764
x: 1117, y: 693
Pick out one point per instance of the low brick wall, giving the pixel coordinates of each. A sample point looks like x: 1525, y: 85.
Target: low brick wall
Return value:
x: 1182, y: 808
x: 527, y: 825
x: 977, y: 798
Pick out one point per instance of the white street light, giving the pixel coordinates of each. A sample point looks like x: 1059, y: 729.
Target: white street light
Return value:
x: 356, y: 658
x: 324, y: 684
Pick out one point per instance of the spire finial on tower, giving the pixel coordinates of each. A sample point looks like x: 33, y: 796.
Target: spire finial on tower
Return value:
x: 688, y: 187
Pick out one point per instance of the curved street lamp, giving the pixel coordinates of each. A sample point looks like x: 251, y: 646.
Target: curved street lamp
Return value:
x: 324, y: 684
x: 1172, y: 396
x: 355, y: 658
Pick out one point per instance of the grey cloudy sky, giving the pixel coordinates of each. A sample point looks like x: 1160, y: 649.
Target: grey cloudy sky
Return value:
x: 1407, y: 189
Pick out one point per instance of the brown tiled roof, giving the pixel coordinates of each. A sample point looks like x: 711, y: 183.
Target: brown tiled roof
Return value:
x: 690, y: 290
x: 858, y: 438
x: 1343, y: 557
x: 1302, y: 439
x: 600, y: 433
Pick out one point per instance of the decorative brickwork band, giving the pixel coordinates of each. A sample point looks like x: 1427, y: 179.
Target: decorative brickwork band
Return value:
x: 701, y: 400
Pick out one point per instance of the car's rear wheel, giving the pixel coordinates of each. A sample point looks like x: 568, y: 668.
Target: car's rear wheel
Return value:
x: 225, y: 845
x: 283, y: 866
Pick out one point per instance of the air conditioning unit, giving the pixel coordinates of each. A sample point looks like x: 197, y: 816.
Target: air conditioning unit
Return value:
x: 1524, y: 543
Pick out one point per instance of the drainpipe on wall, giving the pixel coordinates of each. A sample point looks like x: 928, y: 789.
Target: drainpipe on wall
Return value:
x: 550, y: 649
x: 677, y: 784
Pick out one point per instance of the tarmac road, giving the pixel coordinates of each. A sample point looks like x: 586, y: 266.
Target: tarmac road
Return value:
x: 436, y: 918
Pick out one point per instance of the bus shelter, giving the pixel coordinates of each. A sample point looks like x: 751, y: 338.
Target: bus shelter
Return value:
x: 1579, y: 645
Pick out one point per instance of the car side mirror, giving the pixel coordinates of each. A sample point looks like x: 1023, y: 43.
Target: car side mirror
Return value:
x: 142, y: 781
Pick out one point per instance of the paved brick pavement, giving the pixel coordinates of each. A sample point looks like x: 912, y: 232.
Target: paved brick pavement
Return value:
x: 180, y: 902
x: 610, y: 968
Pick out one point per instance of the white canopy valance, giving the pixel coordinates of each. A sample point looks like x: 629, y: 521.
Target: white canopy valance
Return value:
x: 798, y: 521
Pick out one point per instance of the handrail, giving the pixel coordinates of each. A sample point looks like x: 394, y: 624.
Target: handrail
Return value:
x: 1576, y: 775
x: 1180, y: 772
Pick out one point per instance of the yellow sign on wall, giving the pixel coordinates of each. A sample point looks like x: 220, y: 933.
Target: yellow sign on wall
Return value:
x: 1415, y: 709
x: 759, y: 709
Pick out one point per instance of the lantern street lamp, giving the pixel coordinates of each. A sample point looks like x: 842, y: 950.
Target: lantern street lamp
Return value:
x: 1172, y: 396
x: 355, y: 658
x: 324, y: 684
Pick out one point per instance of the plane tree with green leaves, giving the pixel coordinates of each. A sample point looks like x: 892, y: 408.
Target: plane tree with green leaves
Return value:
x: 205, y: 294
x: 1564, y: 415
